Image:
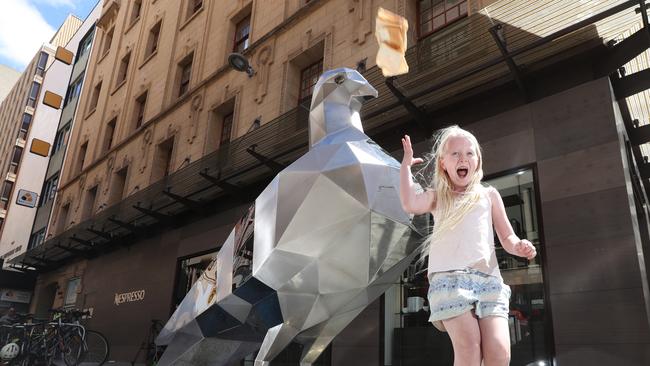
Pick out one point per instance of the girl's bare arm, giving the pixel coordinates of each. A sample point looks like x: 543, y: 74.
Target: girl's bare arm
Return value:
x: 412, y: 202
x: 510, y: 241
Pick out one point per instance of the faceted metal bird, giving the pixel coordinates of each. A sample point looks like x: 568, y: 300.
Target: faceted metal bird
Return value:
x: 325, y: 239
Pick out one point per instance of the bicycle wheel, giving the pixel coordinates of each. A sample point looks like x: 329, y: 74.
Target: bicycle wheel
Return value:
x: 96, y: 351
x: 72, y: 348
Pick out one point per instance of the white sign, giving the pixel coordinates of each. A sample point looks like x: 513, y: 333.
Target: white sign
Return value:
x: 26, y: 198
x: 15, y: 296
x: 129, y: 297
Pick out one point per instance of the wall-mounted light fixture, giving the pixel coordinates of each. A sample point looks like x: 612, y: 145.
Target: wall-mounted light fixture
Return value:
x: 238, y: 62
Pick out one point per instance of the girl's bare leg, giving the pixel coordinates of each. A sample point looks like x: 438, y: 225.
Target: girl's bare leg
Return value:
x: 465, y: 336
x: 495, y: 341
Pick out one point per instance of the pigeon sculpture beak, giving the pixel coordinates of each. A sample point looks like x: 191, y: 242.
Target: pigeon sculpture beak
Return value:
x: 366, y: 92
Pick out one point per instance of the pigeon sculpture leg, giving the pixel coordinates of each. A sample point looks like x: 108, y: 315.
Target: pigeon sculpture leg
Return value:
x: 325, y: 238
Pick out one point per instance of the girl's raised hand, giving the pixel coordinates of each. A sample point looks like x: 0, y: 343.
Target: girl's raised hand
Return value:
x: 408, y: 159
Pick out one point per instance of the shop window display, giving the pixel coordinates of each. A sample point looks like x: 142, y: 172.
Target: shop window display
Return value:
x: 412, y: 340
x: 189, y: 270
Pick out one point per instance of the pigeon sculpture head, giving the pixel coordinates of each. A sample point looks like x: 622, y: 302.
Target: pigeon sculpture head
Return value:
x: 336, y: 102
x: 324, y: 239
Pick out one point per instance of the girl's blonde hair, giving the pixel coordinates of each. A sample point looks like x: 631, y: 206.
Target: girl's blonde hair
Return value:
x: 449, y: 210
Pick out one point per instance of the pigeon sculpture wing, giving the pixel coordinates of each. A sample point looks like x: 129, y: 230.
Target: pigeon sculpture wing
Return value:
x: 325, y: 239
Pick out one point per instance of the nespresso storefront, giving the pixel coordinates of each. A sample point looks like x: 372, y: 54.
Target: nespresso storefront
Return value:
x: 561, y: 167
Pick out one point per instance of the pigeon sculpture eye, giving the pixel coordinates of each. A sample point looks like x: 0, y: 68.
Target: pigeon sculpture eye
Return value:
x: 339, y: 79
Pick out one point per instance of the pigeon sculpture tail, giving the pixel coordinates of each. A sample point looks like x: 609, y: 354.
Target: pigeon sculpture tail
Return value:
x: 325, y: 238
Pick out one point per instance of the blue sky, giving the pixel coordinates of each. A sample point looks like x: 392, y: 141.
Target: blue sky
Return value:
x: 26, y: 24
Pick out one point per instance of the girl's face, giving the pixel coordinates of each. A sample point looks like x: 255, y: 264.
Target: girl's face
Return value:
x: 459, y: 161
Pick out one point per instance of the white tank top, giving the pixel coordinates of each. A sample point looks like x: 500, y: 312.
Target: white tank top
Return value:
x: 470, y: 244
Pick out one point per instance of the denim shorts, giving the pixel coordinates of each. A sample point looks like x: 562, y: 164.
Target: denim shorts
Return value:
x: 455, y: 292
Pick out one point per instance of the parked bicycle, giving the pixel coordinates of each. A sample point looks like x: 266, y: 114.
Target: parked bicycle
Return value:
x: 41, y: 343
x: 152, y: 351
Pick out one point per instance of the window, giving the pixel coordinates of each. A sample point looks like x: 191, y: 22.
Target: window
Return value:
x: 61, y: 138
x: 308, y: 78
x: 226, y: 129
x: 220, y: 127
x: 124, y: 69
x: 84, y: 46
x: 62, y: 219
x: 82, y: 156
x: 242, y: 32
x: 73, y: 90
x: 7, y: 188
x: 24, y: 126
x: 89, y: 203
x: 49, y: 190
x: 435, y: 14
x: 138, y: 111
x: 95, y: 97
x: 136, y: 10
x: 163, y: 160
x: 36, y: 239
x: 118, y: 184
x: 15, y: 159
x: 42, y: 63
x: 71, y: 292
x: 185, y: 73
x: 33, y: 94
x: 188, y: 272
x: 193, y: 6
x: 109, y: 134
x: 152, y: 41
x: 108, y: 39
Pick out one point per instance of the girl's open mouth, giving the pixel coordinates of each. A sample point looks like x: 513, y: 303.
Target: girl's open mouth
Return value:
x: 462, y: 172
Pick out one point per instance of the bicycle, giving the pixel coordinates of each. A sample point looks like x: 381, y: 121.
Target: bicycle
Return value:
x: 80, y: 345
x: 153, y: 351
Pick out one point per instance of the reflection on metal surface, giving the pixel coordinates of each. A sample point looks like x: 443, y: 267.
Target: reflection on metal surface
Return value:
x: 326, y: 238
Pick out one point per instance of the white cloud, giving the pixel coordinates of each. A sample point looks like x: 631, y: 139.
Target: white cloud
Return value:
x: 23, y: 30
x: 57, y: 3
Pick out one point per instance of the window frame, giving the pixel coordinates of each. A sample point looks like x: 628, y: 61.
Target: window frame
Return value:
x: 309, y: 69
x: 33, y: 99
x: 446, y: 23
x: 41, y: 64
x: 183, y: 66
x: 61, y: 138
x: 139, y: 109
x: 244, y: 39
x: 23, y: 133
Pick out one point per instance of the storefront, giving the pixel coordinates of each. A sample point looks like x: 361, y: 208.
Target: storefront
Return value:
x: 560, y: 166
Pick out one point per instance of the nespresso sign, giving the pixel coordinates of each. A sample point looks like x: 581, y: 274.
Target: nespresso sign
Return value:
x: 129, y: 297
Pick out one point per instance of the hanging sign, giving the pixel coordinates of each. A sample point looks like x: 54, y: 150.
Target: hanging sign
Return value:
x: 15, y: 296
x: 26, y: 198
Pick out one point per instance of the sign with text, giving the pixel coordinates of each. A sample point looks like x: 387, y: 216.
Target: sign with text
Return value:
x: 15, y: 296
x: 132, y: 296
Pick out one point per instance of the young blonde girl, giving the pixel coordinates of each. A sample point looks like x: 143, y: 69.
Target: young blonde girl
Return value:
x: 467, y: 296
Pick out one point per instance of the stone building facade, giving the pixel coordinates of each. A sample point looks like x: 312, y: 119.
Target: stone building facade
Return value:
x: 171, y: 146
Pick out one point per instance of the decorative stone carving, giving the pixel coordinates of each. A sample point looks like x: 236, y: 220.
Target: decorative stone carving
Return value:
x: 362, y: 23
x: 196, y: 108
x: 264, y: 60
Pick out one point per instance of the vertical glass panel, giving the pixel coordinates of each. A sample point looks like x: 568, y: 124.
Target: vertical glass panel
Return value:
x: 452, y: 14
x: 71, y: 291
x: 528, y: 321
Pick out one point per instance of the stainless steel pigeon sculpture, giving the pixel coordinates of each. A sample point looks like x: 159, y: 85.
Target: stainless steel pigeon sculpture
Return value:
x: 325, y: 238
